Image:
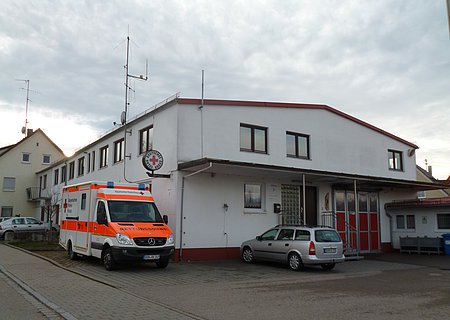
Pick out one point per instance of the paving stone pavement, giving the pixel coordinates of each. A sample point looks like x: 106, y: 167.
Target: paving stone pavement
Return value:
x: 75, y: 297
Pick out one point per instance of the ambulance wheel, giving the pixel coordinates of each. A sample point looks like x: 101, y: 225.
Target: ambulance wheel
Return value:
x: 72, y: 255
x: 108, y: 260
x: 162, y: 263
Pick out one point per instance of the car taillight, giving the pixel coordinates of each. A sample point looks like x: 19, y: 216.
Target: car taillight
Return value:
x: 312, y: 249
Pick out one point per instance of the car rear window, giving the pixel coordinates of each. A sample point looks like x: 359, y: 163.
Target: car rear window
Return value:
x: 327, y: 236
x: 302, y: 235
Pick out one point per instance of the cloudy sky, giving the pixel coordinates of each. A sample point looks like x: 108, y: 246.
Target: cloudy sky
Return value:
x: 385, y: 62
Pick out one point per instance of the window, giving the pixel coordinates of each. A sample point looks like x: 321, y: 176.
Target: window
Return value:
x: 56, y: 177
x: 9, y: 184
x: 302, y: 235
x: 269, y: 235
x: 46, y: 159
x: 406, y: 222
x: 71, y: 170
x: 145, y: 140
x: 63, y: 174
x: 252, y: 196
x: 297, y: 145
x: 31, y: 221
x: 7, y: 211
x: 286, y: 234
x: 104, y: 156
x: 253, y: 138
x: 119, y: 150
x: 81, y: 166
x: 88, y: 165
x: 93, y: 160
x: 83, y: 201
x: 26, y: 157
x: 443, y: 220
x: 44, y: 182
x: 395, y: 160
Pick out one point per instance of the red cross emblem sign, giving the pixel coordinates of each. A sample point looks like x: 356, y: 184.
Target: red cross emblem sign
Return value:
x: 152, y: 160
x: 65, y: 205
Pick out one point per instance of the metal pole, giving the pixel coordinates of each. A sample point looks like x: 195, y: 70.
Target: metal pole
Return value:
x: 304, y: 199
x: 357, y: 217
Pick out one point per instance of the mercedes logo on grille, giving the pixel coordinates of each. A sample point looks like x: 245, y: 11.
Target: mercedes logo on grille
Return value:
x: 151, y: 241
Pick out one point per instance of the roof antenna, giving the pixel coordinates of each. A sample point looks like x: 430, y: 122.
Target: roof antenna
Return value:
x: 25, y: 127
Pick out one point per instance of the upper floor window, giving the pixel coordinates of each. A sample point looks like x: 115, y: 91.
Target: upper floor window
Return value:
x: 9, y: 184
x: 26, y: 157
x: 145, y: 139
x: 297, y: 145
x: 81, y: 166
x: 253, y: 138
x: 46, y: 159
x: 395, y: 160
x: 93, y: 160
x: 63, y: 174
x: 44, y: 182
x: 71, y: 170
x: 103, y: 156
x: 56, y: 177
x: 119, y: 150
x: 88, y: 165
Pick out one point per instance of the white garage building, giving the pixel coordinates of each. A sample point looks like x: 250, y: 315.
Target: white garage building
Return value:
x: 237, y: 168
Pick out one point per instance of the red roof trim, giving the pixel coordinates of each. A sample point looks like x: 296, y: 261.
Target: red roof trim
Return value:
x: 292, y: 105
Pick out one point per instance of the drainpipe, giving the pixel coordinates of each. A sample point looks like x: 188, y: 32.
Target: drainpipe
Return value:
x: 182, y: 205
x: 304, y: 199
x: 357, y: 217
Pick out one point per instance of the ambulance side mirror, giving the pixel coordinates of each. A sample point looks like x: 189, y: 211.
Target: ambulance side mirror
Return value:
x: 166, y: 219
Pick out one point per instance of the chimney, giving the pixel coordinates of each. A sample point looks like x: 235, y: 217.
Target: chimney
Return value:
x: 29, y: 132
x: 430, y: 170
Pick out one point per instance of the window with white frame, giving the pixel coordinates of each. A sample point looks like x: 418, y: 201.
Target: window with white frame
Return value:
x: 405, y: 222
x: 56, y: 177
x: 71, y: 170
x: 80, y: 166
x: 63, y: 174
x: 26, y: 157
x: 253, y: 197
x: 46, y: 159
x: 119, y: 150
x: 103, y: 156
x: 9, y: 184
x: 443, y: 221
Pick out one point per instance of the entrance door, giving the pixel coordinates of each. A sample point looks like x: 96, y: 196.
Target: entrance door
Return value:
x: 292, y: 208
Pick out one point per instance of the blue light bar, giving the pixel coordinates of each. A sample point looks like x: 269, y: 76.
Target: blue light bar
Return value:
x: 141, y: 186
x: 110, y: 184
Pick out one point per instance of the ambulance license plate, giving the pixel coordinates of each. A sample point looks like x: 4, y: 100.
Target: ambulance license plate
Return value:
x: 329, y: 250
x: 151, y: 257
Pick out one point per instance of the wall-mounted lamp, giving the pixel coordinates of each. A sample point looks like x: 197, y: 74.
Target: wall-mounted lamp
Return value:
x: 225, y: 207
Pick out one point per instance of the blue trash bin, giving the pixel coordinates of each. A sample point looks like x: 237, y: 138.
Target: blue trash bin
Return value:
x: 446, y: 243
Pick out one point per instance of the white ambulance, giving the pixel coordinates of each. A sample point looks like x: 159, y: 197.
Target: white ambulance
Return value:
x: 114, y: 222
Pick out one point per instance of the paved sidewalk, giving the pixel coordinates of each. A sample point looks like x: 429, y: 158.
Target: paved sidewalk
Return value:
x: 73, y: 296
x: 441, y: 262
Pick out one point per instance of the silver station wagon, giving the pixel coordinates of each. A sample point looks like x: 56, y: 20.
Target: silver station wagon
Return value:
x: 297, y: 246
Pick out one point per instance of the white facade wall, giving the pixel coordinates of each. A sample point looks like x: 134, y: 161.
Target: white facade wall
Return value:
x: 337, y: 144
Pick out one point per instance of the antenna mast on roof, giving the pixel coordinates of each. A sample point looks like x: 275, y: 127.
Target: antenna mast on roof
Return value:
x: 25, y: 127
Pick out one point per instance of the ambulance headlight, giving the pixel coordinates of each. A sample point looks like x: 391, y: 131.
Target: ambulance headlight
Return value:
x: 123, y: 239
x: 170, y: 239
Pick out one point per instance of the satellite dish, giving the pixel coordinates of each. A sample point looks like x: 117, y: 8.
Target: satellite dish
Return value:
x: 411, y: 152
x: 123, y: 117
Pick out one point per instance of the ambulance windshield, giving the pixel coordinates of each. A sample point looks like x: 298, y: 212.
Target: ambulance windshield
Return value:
x: 133, y: 211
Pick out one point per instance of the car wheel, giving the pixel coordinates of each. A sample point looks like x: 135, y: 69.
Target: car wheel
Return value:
x: 108, y: 260
x: 162, y: 263
x: 7, y: 234
x: 295, y: 262
x: 328, y: 266
x: 247, y: 255
x: 72, y: 255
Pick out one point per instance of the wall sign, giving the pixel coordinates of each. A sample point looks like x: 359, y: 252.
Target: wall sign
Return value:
x: 152, y: 160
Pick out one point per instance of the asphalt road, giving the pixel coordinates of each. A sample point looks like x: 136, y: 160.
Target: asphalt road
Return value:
x: 367, y: 289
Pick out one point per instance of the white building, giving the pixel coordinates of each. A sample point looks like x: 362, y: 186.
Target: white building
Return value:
x: 232, y: 164
x: 20, y: 193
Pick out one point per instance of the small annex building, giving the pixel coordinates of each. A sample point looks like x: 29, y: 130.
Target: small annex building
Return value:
x: 233, y: 169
